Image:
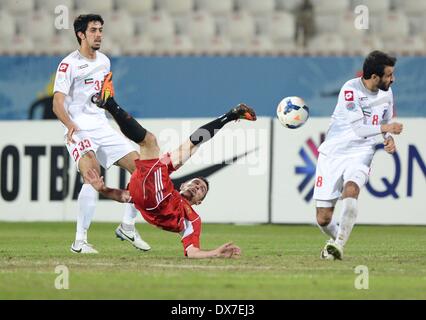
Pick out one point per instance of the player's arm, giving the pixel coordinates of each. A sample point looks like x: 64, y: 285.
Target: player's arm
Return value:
x: 348, y: 100
x: 228, y: 250
x: 98, y: 184
x: 63, y: 81
x: 367, y: 130
x: 61, y: 113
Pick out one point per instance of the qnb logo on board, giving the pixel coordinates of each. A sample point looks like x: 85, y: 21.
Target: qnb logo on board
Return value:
x: 414, y: 166
x: 309, y: 154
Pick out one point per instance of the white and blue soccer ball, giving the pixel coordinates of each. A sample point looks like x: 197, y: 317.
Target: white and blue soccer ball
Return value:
x: 292, y: 112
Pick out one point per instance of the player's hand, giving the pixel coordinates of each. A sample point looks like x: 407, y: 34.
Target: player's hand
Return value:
x: 125, y: 196
x: 389, y: 144
x: 394, y: 128
x: 97, y: 182
x: 229, y: 250
x: 72, y: 128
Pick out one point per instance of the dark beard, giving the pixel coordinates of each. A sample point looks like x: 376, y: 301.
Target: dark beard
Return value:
x: 382, y: 86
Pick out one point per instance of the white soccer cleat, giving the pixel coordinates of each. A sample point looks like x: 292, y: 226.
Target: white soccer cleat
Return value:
x: 133, y: 237
x: 82, y: 247
x: 324, y: 255
x: 335, y: 250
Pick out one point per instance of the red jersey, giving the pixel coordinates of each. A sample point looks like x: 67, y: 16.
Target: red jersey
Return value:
x: 160, y: 204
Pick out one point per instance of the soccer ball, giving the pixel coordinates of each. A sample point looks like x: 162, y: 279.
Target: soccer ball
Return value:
x: 292, y: 112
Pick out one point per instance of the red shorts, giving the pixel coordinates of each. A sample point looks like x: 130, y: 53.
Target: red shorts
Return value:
x: 150, y: 184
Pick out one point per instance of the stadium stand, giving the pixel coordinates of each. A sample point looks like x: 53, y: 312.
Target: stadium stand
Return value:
x: 180, y: 7
x: 159, y: 26
x: 255, y: 7
x: 240, y: 26
x: 212, y: 26
x: 136, y: 8
x: 142, y: 44
x: 19, y: 8
x: 99, y: 6
x: 49, y: 5
x: 8, y: 29
x: 216, y: 7
x: 120, y: 26
x: 200, y: 26
x: 39, y: 25
x: 327, y: 44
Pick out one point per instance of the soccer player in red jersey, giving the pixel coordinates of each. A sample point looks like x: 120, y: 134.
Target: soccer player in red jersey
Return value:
x: 151, y: 189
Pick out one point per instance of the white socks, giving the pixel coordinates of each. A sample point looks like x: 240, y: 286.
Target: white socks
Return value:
x: 347, y: 220
x: 130, y: 214
x: 87, y: 199
x: 330, y: 229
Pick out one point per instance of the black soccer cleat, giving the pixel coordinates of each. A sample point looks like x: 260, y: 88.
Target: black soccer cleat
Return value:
x: 244, y: 112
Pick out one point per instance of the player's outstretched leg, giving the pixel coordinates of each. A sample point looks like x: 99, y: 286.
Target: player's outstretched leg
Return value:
x: 128, y: 125
x: 206, y: 132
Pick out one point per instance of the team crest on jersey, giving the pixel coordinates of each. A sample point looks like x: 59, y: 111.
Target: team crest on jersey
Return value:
x: 63, y: 67
x: 349, y: 95
x: 350, y: 106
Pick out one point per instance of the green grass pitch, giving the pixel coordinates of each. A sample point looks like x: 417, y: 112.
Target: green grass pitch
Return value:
x: 278, y: 262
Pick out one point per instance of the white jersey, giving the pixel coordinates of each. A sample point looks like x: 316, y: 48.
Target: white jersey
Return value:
x: 80, y: 78
x: 356, y: 102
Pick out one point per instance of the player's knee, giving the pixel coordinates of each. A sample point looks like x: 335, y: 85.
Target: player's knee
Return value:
x: 324, y: 216
x: 88, y: 160
x: 323, y: 221
x: 351, y: 190
x: 88, y: 156
x: 150, y: 141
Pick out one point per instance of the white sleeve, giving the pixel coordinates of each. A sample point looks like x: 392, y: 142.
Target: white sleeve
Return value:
x: 365, y: 130
x: 63, y: 78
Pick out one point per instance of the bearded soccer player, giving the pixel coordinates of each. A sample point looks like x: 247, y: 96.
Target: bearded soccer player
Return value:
x: 364, y: 110
x: 151, y: 188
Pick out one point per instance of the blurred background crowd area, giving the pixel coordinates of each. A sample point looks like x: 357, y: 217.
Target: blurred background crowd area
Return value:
x: 218, y: 27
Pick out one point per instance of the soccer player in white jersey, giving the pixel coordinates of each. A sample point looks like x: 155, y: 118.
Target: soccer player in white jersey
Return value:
x: 363, y: 112
x: 90, y: 140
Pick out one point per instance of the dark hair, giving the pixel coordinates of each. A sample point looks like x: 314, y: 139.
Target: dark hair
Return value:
x: 375, y: 63
x: 81, y: 22
x: 206, y: 182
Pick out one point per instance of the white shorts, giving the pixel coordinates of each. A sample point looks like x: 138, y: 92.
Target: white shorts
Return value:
x: 333, y: 173
x: 108, y: 145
